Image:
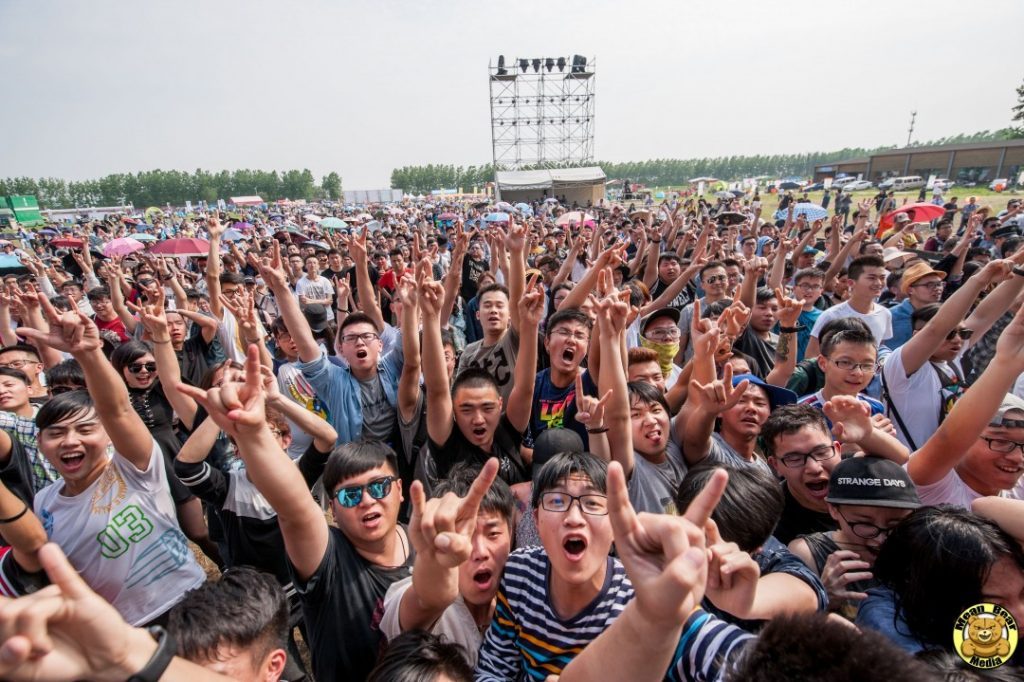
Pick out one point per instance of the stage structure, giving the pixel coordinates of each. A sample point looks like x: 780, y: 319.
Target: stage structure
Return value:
x: 542, y: 111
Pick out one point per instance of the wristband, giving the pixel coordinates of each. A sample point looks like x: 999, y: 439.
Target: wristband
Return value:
x: 603, y: 429
x: 160, y: 659
x: 12, y: 519
x: 793, y: 330
x: 1019, y: 271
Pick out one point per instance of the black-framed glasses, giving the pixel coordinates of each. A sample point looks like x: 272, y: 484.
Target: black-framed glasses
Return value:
x: 963, y: 333
x: 796, y: 460
x: 560, y: 503
x: 850, y: 365
x: 365, y: 337
x: 863, y: 529
x: 139, y: 366
x: 1003, y: 446
x: 352, y: 495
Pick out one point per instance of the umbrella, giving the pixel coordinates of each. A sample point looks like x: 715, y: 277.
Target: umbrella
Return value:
x: 142, y: 237
x: 333, y: 223
x: 69, y: 242
x: 724, y: 195
x: 504, y: 206
x: 789, y: 185
x: 659, y: 195
x: 290, y: 235
x: 448, y: 216
x: 918, y: 213
x: 496, y: 218
x: 730, y: 218
x: 243, y: 226
x: 551, y: 200
x: 575, y: 217
x: 312, y: 217
x: 525, y: 209
x: 11, y: 265
x: 186, y: 246
x: 232, y: 235
x: 318, y: 245
x: 122, y: 246
x: 737, y: 192
x: 810, y: 211
x: 48, y: 232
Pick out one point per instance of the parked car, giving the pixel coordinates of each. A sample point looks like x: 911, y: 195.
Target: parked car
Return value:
x: 816, y: 187
x: 857, y: 185
x: 843, y: 180
x: 999, y: 184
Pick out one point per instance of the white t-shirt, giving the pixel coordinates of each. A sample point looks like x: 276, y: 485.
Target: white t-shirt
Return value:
x: 122, y: 535
x: 456, y: 623
x: 951, y: 489
x: 231, y: 337
x: 916, y: 398
x: 294, y: 385
x: 319, y: 289
x: 879, y: 320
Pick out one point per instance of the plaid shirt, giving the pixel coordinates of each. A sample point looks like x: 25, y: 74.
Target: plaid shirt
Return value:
x: 983, y: 350
x: 43, y: 473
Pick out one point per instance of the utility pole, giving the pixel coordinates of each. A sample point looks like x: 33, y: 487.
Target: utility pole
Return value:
x: 910, y: 131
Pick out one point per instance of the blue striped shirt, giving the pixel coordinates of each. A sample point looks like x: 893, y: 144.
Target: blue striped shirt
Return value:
x: 708, y: 649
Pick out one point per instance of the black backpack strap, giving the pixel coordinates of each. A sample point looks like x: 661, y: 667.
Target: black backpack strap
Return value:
x: 895, y: 413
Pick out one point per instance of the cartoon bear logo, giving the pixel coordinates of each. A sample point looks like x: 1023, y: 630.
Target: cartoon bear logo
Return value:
x: 985, y: 637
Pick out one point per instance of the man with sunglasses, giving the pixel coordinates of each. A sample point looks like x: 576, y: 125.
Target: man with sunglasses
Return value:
x: 714, y: 280
x: 923, y: 378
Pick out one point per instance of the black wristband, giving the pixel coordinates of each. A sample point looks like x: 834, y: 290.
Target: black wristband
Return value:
x: 792, y: 330
x: 12, y: 519
x: 161, y: 658
x: 603, y: 429
x: 1019, y: 271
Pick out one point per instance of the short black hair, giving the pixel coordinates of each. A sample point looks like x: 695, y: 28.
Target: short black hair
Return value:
x: 63, y: 406
x: 764, y: 294
x: 232, y: 278
x: 66, y: 372
x: 245, y: 609
x: 858, y: 264
x: 568, y: 315
x: 788, y: 419
x: 498, y: 499
x: 357, y: 457
x: 858, y: 336
x: 22, y: 347
x: 98, y: 293
x: 808, y: 273
x: 14, y: 374
x: 493, y: 287
x: 418, y: 656
x: 750, y: 508
x: 842, y: 324
x: 475, y: 377
x: 923, y: 315
x: 565, y: 464
x: 127, y: 353
x: 357, y: 318
x: 648, y: 394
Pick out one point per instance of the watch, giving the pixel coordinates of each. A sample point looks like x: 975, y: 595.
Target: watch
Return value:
x: 161, y: 658
x: 793, y: 330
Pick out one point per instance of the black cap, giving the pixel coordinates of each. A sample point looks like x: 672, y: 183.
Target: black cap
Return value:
x: 872, y: 482
x: 550, y: 442
x: 1005, y: 231
x: 316, y: 316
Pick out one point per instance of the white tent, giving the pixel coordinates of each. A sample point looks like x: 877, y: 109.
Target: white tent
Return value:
x: 581, y: 185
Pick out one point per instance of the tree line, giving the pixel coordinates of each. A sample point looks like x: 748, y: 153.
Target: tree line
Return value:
x: 160, y: 187
x: 662, y: 172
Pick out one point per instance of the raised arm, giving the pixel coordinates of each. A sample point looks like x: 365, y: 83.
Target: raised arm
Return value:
x: 239, y: 410
x: 998, y: 301
x: 323, y: 434
x: 704, y: 403
x: 273, y: 274
x: 611, y: 316
x: 973, y: 411
x: 155, y: 321
x: 409, y: 382
x: 515, y: 241
x: 435, y: 377
x: 852, y: 423
x: 22, y: 530
x: 367, y: 300
x: 215, y: 229
x: 73, y: 332
x: 520, y: 401
x: 785, y: 350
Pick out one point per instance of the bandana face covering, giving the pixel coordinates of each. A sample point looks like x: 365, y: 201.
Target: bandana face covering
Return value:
x: 666, y: 350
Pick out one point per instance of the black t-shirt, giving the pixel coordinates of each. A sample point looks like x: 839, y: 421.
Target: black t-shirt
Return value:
x: 506, y: 444
x: 342, y: 604
x: 471, y: 271
x: 749, y: 343
x: 799, y: 520
x: 681, y: 300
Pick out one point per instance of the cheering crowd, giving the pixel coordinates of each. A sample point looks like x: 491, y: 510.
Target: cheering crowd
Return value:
x: 460, y: 442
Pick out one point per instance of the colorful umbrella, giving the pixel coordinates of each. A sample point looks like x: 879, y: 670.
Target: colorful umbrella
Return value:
x: 67, y: 242
x: 142, y: 237
x: 496, y: 218
x: 810, y: 211
x: 232, y: 235
x: 242, y: 226
x: 186, y: 246
x: 122, y: 246
x: 11, y: 265
x: 333, y: 223
x: 575, y: 218
x: 918, y: 213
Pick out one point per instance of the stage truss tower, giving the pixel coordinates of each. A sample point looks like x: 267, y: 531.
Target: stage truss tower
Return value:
x: 542, y: 111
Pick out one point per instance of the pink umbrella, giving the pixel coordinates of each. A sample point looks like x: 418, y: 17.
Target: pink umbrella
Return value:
x: 122, y: 246
x: 186, y: 246
x: 575, y: 218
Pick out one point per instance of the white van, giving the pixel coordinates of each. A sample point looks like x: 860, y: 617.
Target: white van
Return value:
x: 908, y: 182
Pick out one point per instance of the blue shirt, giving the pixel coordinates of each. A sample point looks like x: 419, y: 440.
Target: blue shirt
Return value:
x: 902, y: 327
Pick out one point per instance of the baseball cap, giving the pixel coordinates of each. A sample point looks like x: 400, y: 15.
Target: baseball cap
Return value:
x: 1005, y: 231
x: 777, y: 396
x: 316, y: 316
x: 1011, y: 403
x: 660, y: 312
x: 872, y: 482
x: 550, y: 442
x: 916, y: 272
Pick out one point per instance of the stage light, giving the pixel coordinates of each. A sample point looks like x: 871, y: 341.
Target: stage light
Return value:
x: 549, y: 64
x: 561, y: 63
x: 501, y: 65
x: 536, y: 65
x: 524, y: 64
x: 579, y: 64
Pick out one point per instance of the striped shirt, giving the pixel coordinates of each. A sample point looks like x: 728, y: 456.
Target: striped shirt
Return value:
x: 526, y: 639
x: 708, y: 649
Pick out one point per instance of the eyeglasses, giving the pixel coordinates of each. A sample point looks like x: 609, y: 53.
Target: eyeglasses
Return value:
x: 663, y: 333
x: 863, y: 529
x: 1003, y: 446
x: 932, y: 286
x: 16, y: 364
x: 809, y: 285
x: 850, y: 365
x: 592, y: 504
x: 365, y: 337
x: 352, y: 495
x: 567, y: 334
x: 962, y: 333
x: 145, y: 282
x: 139, y: 366
x: 796, y: 460
x: 716, y: 279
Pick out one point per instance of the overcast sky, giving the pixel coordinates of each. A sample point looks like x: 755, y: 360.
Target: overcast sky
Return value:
x: 362, y: 87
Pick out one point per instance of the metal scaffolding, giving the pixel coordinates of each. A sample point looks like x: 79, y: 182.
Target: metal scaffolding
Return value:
x: 542, y: 111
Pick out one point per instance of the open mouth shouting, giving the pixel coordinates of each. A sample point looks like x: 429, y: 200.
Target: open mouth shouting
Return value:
x: 483, y: 579
x: 362, y: 354
x: 372, y: 520
x: 72, y: 461
x: 818, y: 488
x: 575, y: 547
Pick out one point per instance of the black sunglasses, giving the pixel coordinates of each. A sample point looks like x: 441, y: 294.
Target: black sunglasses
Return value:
x: 139, y: 366
x: 352, y: 495
x: 964, y: 334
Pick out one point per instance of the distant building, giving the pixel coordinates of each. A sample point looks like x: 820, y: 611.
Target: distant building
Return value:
x: 979, y: 162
